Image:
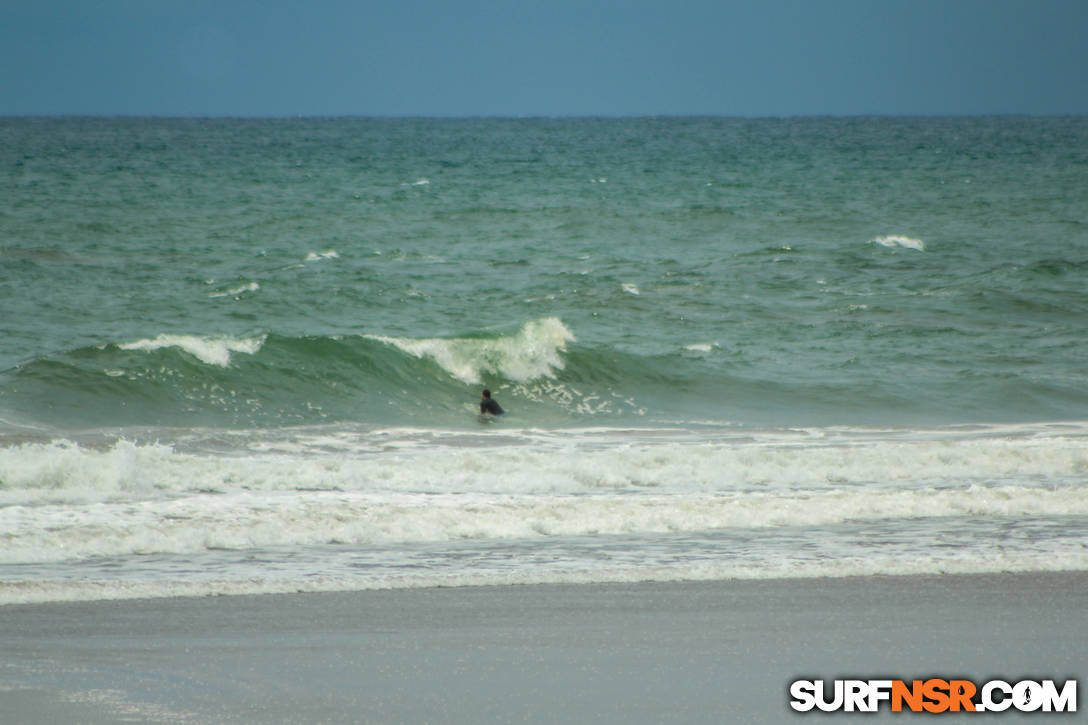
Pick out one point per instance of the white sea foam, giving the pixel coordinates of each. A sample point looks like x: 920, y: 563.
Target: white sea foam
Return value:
x: 251, y: 287
x: 211, y: 350
x: 350, y: 509
x: 537, y: 462
x: 533, y: 352
x: 523, y: 572
x: 914, y: 547
x: 630, y: 288
x: 320, y: 256
x: 247, y: 520
x: 895, y: 240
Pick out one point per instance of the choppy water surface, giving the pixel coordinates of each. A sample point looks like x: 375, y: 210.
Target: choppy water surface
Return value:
x: 245, y: 355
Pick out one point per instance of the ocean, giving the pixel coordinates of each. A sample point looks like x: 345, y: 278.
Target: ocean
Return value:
x: 246, y: 356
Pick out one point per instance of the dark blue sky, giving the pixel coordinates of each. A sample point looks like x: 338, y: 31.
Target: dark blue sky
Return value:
x: 552, y: 58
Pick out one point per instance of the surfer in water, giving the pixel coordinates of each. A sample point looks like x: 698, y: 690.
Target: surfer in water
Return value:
x: 489, y: 404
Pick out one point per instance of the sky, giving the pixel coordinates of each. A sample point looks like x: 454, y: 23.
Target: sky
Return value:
x: 543, y: 58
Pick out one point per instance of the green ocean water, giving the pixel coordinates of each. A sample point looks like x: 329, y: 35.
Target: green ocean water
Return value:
x: 742, y: 272
x: 245, y: 356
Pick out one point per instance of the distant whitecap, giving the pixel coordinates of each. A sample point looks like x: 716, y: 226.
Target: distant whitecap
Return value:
x: 895, y: 240
x: 251, y: 287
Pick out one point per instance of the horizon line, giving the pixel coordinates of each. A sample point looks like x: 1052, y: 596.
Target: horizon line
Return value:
x: 527, y: 117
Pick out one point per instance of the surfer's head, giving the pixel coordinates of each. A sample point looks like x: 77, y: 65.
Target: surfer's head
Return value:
x: 487, y: 393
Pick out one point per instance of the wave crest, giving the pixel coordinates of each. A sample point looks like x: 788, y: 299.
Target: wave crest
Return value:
x: 211, y: 350
x: 531, y: 353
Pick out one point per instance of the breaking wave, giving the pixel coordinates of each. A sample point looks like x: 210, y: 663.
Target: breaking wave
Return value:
x: 212, y: 350
x: 542, y: 373
x: 533, y: 352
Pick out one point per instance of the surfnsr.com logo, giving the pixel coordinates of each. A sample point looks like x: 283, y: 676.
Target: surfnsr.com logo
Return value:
x: 934, y: 695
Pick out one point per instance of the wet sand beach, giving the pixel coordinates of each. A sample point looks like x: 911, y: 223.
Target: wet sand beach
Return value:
x: 707, y: 652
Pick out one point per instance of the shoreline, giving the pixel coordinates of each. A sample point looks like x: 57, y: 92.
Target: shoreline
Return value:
x: 103, y: 591
x: 714, y: 651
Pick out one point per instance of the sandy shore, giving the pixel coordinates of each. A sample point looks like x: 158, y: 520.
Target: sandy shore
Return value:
x: 716, y: 652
